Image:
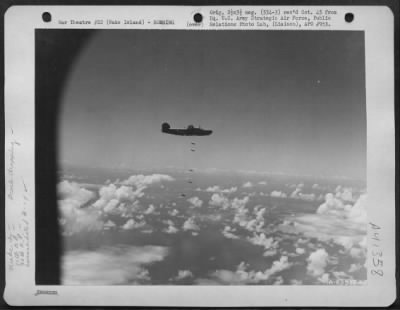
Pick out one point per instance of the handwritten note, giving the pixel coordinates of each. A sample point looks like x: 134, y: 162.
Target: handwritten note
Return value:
x: 18, y: 248
x: 11, y: 165
x: 376, y: 250
x: 18, y: 239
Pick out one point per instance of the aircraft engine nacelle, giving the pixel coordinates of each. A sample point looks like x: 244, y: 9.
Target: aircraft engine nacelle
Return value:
x: 165, y: 127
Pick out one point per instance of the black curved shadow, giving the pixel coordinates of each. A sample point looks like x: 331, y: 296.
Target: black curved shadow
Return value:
x: 55, y: 51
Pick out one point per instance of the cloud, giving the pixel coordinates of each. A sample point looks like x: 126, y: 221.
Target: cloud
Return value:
x: 116, y: 200
x: 228, y: 233
x: 238, y: 203
x: 248, y: 185
x: 213, y: 189
x: 262, y: 240
x: 145, y: 180
x: 262, y: 183
x: 189, y: 224
x: 331, y: 205
x: 278, y: 194
x: 324, y: 278
x: 310, y: 197
x: 245, y: 219
x: 358, y: 213
x: 217, y: 189
x: 297, y: 194
x: 123, y: 265
x: 74, y: 217
x: 278, y: 281
x: 259, y: 212
x: 195, y: 201
x: 173, y: 212
x: 123, y: 198
x: 73, y: 191
x: 355, y: 268
x: 171, y: 229
x: 109, y: 225
x: 317, y: 261
x: 219, y: 200
x: 345, y: 194
x: 344, y: 225
x: 300, y: 251
x: 183, y: 274
x: 111, y: 206
x: 243, y: 276
x: 150, y: 209
x: 270, y: 252
x: 357, y: 253
x: 132, y: 224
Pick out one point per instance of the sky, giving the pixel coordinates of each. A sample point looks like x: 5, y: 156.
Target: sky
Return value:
x: 281, y: 102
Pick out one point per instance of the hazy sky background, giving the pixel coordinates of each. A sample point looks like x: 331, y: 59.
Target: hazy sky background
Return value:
x: 291, y: 102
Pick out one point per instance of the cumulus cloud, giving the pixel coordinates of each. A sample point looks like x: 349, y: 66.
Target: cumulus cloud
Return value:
x: 238, y: 203
x: 355, y: 268
x: 171, y: 229
x: 118, y: 200
x: 195, y: 201
x: 219, y: 200
x: 228, y: 232
x: 245, y: 219
x: 331, y: 205
x: 262, y: 240
x: 132, y: 224
x: 310, y: 196
x: 324, y: 278
x: 75, y: 219
x: 278, y: 281
x: 259, y: 212
x: 74, y: 216
x: 358, y: 213
x: 243, y: 276
x: 217, y: 189
x: 183, y: 274
x: 173, y: 212
x: 278, y: 194
x: 345, y: 194
x: 190, y: 224
x: 295, y: 193
x: 150, y: 209
x: 145, y: 180
x: 73, y: 191
x: 248, y: 185
x: 298, y: 194
x: 123, y: 265
x: 300, y: 251
x: 317, y: 261
x: 121, y: 199
x: 345, y: 225
x: 270, y: 252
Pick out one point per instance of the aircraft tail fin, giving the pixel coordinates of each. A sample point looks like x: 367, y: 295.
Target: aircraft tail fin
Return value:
x: 165, y: 127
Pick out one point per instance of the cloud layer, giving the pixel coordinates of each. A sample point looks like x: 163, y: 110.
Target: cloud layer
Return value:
x: 110, y: 265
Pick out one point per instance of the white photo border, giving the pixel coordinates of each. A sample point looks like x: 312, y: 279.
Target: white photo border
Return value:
x: 377, y: 23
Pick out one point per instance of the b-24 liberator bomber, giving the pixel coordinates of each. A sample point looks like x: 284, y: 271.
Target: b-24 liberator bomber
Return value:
x: 189, y: 131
